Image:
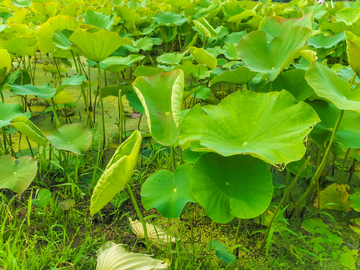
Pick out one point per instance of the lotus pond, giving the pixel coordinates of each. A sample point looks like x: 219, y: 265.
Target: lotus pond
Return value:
x: 179, y: 134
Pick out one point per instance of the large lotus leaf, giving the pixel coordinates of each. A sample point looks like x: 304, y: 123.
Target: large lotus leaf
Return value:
x: 98, y: 19
x: 232, y: 8
x: 279, y: 26
x: 46, y: 32
x: 322, y: 41
x: 117, y: 172
x: 273, y: 57
x: 19, y: 16
x: 99, y: 45
x: 48, y: 9
x: 270, y: 126
x: 61, y: 39
x: 127, y: 14
x: 348, y: 133
x: 5, y: 59
x: 45, y: 91
x: 169, y: 18
x: 168, y: 192
x: 29, y: 129
x: 144, y: 44
x: 147, y: 71
x: 348, y: 15
x: 17, y: 174
x: 177, y: 3
x: 203, y: 57
x: 353, y: 51
x: 20, y: 45
x: 205, y: 28
x: 10, y: 111
x: 240, y: 75
x: 118, y: 63
x: 331, y: 87
x: 170, y: 58
x: 74, y: 138
x: 161, y: 96
x: 335, y: 27
x: 227, y: 187
x: 294, y: 82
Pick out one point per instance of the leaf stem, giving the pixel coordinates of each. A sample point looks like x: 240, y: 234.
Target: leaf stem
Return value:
x: 101, y: 103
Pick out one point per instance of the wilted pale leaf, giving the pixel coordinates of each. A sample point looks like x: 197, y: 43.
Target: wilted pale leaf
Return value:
x: 337, y: 194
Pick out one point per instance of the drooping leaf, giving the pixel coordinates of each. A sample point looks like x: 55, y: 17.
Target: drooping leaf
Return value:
x: 203, y: 57
x: 331, y: 87
x: 112, y: 257
x: 117, y: 172
x: 29, y: 129
x: 348, y: 15
x: 205, y: 28
x: 61, y: 39
x: 273, y: 57
x: 99, y: 45
x: 353, y: 51
x: 227, y: 187
x: 73, y: 137
x: 17, y: 174
x: 168, y: 192
x: 270, y: 126
x: 161, y: 97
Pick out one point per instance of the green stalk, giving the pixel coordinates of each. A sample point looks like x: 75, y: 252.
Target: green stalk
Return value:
x: 4, y: 138
x: 237, y: 232
x: 173, y: 157
x: 210, y: 244
x: 58, y: 69
x: 120, y: 117
x: 88, y: 118
x: 140, y: 216
x: 286, y: 193
x: 57, y: 121
x: 320, y: 169
x: 101, y: 102
x: 31, y: 150
x: 343, y: 166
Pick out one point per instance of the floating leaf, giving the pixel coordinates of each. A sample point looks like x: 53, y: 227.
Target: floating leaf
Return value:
x: 17, y: 174
x: 227, y: 187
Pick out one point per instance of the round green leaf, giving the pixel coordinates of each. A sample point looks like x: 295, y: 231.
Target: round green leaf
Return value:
x: 227, y: 187
x: 17, y: 174
x: 161, y: 97
x: 45, y: 91
x: 74, y: 138
x: 99, y: 45
x: 117, y: 172
x: 169, y: 18
x: 322, y: 41
x: 203, y: 57
x: 261, y: 56
x: 118, y: 63
x: 98, y: 19
x: 168, y: 192
x: 270, y: 126
x: 241, y: 75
